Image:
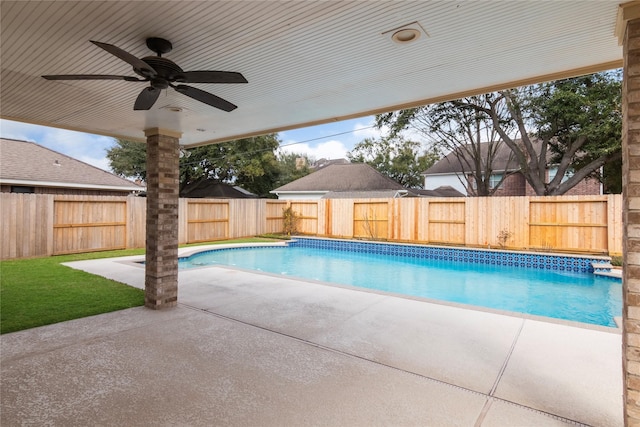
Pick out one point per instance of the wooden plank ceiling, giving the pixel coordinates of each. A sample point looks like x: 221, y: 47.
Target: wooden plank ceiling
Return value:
x: 306, y: 62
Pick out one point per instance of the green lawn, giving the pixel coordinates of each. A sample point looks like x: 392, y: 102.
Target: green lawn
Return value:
x: 40, y: 291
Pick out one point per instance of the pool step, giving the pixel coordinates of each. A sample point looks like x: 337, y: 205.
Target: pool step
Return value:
x: 605, y: 269
x: 601, y: 266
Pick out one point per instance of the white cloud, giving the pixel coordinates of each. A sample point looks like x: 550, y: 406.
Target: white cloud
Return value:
x: 328, y: 150
x: 19, y: 131
x: 368, y: 130
x: 363, y: 130
x: 102, y: 163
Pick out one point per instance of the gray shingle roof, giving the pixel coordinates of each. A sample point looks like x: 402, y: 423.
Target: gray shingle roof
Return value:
x: 451, y: 164
x: 380, y: 194
x: 207, y: 188
x: 442, y: 191
x: 349, y: 177
x: 29, y: 162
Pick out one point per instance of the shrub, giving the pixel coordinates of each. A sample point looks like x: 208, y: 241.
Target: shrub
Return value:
x: 291, y: 220
x: 503, y: 236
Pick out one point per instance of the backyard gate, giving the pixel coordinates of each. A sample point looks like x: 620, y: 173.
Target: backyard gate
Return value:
x: 446, y: 221
x: 371, y: 220
x: 207, y: 220
x: 556, y: 224
x: 83, y: 225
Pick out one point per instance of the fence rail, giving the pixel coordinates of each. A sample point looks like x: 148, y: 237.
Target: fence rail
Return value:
x: 44, y: 224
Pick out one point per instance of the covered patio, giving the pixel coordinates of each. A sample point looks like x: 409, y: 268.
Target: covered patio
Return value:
x: 306, y: 63
x: 248, y: 349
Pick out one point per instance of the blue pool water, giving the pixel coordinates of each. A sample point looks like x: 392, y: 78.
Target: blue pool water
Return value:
x: 568, y: 295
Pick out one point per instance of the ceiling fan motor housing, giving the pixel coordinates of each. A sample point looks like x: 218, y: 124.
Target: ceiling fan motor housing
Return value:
x: 165, y: 68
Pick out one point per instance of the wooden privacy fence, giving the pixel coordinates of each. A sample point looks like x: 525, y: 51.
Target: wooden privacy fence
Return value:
x: 82, y: 225
x: 207, y: 220
x: 42, y: 224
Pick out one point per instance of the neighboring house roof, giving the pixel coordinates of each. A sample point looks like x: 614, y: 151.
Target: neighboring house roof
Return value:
x: 338, y: 177
x: 323, y: 163
x: 442, y: 191
x: 207, y: 188
x: 381, y: 194
x: 451, y: 164
x: 29, y: 164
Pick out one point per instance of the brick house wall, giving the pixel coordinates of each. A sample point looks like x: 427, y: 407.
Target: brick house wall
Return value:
x: 517, y: 185
x: 586, y: 187
x: 513, y: 185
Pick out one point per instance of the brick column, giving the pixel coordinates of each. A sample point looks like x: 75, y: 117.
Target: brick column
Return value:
x: 161, y: 275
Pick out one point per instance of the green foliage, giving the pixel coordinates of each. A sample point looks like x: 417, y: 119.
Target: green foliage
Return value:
x: 292, y: 166
x: 128, y: 159
x: 459, y: 127
x: 250, y: 163
x: 581, y: 121
x: 612, y: 177
x: 573, y: 125
x: 398, y: 158
x: 290, y: 221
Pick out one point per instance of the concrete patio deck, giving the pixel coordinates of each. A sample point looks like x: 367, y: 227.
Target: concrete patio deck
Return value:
x: 245, y: 349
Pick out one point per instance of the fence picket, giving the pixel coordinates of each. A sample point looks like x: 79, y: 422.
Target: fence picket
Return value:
x: 42, y: 224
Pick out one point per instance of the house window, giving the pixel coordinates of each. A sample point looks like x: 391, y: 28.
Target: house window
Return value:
x: 22, y: 189
x: 494, y: 180
x: 554, y: 170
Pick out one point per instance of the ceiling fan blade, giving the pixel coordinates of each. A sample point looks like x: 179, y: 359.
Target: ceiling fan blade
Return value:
x: 92, y: 77
x: 206, y: 97
x: 210, y: 77
x: 138, y: 64
x: 147, y: 98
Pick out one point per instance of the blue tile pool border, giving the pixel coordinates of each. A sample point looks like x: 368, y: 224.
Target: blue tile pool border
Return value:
x: 558, y: 262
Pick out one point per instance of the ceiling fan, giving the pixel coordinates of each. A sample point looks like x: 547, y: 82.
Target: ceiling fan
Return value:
x: 162, y: 73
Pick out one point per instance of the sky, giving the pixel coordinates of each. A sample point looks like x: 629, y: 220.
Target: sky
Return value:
x: 329, y: 141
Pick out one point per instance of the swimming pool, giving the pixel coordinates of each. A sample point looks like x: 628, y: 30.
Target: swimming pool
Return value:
x: 557, y: 293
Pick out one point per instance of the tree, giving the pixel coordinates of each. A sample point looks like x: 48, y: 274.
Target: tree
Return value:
x: 578, y: 123
x: 250, y: 163
x: 463, y: 129
x: 398, y: 158
x: 573, y: 125
x: 128, y: 159
x: 292, y: 166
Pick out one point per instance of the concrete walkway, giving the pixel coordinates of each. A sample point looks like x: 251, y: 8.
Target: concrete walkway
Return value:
x: 245, y: 349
